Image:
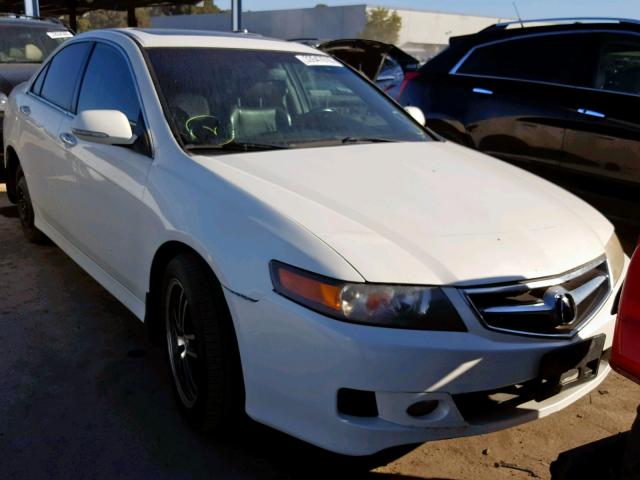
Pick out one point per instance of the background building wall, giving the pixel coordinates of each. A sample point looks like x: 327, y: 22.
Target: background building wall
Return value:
x: 423, y: 34
x: 325, y: 23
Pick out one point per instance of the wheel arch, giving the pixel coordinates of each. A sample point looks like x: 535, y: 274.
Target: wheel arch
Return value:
x: 163, y: 255
x: 452, y: 130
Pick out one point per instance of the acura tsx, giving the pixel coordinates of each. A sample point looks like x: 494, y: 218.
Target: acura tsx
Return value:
x: 305, y: 250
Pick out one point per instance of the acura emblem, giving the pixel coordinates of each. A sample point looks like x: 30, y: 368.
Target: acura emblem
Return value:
x: 564, y: 306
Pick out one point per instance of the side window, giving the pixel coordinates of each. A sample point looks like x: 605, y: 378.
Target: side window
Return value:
x: 62, y: 77
x: 619, y: 64
x: 37, y: 85
x: 561, y: 58
x: 108, y: 84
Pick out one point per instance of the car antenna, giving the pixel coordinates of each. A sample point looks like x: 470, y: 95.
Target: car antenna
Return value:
x: 515, y: 7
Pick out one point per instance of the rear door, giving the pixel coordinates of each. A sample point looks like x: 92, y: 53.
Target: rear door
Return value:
x: 513, y: 95
x: 603, y: 132
x: 42, y: 154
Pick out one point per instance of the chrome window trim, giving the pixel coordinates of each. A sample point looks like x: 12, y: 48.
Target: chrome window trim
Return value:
x: 460, y: 63
x: 541, y: 283
x: 51, y: 104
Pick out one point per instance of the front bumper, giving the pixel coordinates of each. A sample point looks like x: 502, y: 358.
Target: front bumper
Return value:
x: 295, y: 361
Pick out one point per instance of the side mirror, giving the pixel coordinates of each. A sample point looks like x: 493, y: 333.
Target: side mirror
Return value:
x: 109, y: 127
x: 417, y: 115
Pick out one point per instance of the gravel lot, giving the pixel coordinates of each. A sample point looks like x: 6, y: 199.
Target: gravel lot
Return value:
x: 84, y: 395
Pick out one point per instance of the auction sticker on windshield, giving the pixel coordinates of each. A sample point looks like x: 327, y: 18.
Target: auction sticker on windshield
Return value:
x: 319, y: 61
x: 59, y: 34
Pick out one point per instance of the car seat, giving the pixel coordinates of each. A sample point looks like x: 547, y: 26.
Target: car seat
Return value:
x: 261, y: 110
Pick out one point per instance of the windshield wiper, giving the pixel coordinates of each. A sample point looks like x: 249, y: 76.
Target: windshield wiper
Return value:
x: 366, y: 140
x: 237, y: 147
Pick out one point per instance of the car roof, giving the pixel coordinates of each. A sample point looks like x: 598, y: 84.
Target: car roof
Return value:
x: 50, y: 24
x: 526, y: 27
x: 460, y: 45
x: 156, y: 37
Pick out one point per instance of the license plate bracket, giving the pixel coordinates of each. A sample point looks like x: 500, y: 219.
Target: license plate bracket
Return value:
x: 569, y: 366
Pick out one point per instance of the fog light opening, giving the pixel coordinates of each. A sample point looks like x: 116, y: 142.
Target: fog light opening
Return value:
x: 357, y: 403
x: 422, y: 408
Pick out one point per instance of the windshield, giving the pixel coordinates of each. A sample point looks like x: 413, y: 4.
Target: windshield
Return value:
x: 23, y: 44
x: 231, y: 99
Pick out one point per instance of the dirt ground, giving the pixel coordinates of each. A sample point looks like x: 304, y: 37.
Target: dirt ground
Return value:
x: 84, y: 395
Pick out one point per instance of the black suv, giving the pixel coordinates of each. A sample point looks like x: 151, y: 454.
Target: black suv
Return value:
x: 564, y: 93
x: 24, y: 43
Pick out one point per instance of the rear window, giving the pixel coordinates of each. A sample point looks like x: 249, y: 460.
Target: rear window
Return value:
x: 63, y: 74
x: 562, y: 59
x: 24, y: 44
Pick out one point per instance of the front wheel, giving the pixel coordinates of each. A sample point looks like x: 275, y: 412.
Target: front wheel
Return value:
x: 25, y: 211
x: 201, y: 345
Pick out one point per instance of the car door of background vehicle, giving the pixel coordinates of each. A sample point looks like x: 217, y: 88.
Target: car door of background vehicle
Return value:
x: 109, y: 179
x: 49, y: 175
x: 603, y: 132
x: 516, y: 93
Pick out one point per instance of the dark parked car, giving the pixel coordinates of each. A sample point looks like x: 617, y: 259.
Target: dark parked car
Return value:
x: 24, y: 43
x: 385, y: 64
x: 563, y: 93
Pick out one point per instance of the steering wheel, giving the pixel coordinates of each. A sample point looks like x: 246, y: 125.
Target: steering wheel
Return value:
x: 321, y: 111
x: 207, y: 130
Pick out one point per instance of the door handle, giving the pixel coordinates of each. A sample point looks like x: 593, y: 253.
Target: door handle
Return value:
x: 68, y: 139
x: 25, y: 109
x: 482, y: 91
x: 591, y: 113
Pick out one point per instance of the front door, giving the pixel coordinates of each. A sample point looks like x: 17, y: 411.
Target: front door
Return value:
x: 109, y: 179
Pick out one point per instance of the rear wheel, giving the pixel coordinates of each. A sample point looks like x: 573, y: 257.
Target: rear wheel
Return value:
x: 201, y: 345
x: 25, y: 210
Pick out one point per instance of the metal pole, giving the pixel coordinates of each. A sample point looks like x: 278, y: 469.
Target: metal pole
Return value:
x: 236, y: 15
x: 32, y: 8
x: 73, y: 16
x: 132, y: 21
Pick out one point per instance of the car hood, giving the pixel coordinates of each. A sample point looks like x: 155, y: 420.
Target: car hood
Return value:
x: 368, y: 56
x: 424, y: 213
x: 14, y: 74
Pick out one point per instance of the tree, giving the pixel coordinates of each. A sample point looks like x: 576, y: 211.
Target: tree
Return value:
x: 382, y: 25
x: 111, y: 18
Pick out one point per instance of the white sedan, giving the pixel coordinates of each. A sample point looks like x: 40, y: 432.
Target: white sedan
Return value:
x: 308, y: 253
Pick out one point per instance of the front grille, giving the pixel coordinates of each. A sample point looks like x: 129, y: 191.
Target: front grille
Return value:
x: 555, y: 306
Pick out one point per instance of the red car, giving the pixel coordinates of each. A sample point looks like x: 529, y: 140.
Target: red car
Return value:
x: 625, y: 358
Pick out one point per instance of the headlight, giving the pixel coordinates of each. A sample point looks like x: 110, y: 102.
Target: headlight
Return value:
x: 3, y: 101
x: 615, y: 256
x: 396, y: 306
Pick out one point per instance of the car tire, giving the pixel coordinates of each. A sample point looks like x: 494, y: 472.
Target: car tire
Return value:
x: 25, y: 211
x: 201, y: 345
